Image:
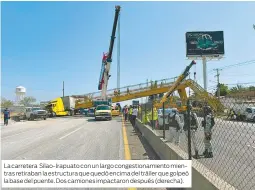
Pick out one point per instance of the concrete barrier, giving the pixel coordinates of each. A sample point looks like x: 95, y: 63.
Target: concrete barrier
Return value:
x: 202, y: 177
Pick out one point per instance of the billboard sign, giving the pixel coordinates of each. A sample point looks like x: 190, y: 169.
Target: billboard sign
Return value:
x: 209, y: 43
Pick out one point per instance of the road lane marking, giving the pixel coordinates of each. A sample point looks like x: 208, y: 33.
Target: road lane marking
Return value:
x: 69, y: 134
x: 126, y: 145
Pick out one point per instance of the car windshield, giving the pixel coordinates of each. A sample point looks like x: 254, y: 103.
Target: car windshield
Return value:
x: 103, y: 108
x: 35, y: 109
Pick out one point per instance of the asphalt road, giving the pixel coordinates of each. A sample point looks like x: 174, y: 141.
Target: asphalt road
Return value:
x: 234, y: 152
x: 63, y: 139
x: 71, y: 138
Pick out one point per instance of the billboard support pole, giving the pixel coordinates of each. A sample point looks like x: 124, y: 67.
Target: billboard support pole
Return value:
x: 205, y: 73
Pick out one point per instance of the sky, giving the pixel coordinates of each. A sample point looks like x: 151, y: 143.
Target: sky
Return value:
x: 45, y: 43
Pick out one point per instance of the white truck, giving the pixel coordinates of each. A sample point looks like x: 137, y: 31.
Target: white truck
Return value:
x: 33, y: 113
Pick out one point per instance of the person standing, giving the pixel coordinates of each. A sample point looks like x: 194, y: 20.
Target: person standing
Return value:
x: 175, y: 126
x: 126, y: 113
x: 134, y: 115
x: 208, y: 123
x: 193, y: 130
x: 6, y: 116
x: 130, y: 113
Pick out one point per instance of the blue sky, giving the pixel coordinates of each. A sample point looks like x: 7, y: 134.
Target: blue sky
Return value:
x: 44, y: 43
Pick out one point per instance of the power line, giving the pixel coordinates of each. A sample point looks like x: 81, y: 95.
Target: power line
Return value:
x: 239, y: 75
x: 242, y: 83
x: 235, y: 65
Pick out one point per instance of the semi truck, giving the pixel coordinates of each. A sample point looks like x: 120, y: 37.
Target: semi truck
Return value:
x: 62, y: 106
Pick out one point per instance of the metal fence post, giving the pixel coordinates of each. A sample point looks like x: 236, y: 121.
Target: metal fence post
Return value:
x: 141, y: 111
x: 145, y: 112
x: 152, y: 115
x: 164, y: 128
x: 188, y: 128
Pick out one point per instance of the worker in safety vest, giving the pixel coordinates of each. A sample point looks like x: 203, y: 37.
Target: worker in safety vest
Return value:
x: 175, y: 126
x: 153, y: 118
x: 130, y: 113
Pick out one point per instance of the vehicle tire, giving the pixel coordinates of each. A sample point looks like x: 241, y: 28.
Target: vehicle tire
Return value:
x: 110, y: 119
x: 45, y: 118
x: 254, y: 119
x: 32, y: 117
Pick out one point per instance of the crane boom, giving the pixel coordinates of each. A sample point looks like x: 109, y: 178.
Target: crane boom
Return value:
x: 107, y: 59
x: 177, y: 83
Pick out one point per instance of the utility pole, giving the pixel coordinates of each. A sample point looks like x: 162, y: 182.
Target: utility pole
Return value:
x: 218, y: 81
x: 63, y: 89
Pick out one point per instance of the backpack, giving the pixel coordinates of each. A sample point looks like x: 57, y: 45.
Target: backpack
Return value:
x: 171, y: 119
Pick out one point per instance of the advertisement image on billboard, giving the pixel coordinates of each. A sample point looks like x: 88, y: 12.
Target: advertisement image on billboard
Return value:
x: 209, y: 43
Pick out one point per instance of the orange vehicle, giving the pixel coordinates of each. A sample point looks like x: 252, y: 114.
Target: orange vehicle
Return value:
x: 115, y: 111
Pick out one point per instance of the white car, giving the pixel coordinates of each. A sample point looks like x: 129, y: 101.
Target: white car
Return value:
x: 91, y: 112
x: 250, y: 114
x: 33, y: 113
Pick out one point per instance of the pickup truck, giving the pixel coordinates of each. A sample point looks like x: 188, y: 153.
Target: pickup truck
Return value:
x: 33, y: 113
x: 103, y: 112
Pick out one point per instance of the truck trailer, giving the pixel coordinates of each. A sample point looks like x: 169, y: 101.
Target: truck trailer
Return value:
x: 62, y: 106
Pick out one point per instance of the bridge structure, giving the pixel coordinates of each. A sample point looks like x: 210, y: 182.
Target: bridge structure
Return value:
x: 152, y: 88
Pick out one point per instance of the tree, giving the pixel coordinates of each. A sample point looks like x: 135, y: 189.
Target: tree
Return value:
x: 28, y: 101
x: 237, y: 88
x: 6, y: 103
x: 251, y: 88
x: 223, y: 90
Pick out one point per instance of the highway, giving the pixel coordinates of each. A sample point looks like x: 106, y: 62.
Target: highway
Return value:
x: 73, y: 138
x: 234, y: 152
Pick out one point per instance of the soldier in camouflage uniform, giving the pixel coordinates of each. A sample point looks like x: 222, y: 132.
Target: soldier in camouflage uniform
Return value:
x: 208, y: 123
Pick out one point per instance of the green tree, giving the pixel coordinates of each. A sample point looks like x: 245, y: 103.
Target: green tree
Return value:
x: 6, y: 103
x: 237, y: 88
x: 28, y: 101
x: 223, y: 90
x: 251, y: 87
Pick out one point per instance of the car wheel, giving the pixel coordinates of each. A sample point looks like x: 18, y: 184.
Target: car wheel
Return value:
x: 254, y: 119
x: 32, y: 118
x: 45, y: 118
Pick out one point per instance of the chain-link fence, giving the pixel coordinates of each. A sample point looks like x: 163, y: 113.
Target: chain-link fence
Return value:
x: 223, y: 141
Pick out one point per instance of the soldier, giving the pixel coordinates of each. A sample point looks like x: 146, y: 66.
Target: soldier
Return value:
x: 193, y: 129
x: 208, y: 123
x: 175, y: 126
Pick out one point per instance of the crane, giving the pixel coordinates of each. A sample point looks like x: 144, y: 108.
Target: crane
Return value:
x: 107, y: 59
x: 174, y: 86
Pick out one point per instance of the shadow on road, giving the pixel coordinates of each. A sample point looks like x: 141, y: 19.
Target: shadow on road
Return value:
x: 149, y: 152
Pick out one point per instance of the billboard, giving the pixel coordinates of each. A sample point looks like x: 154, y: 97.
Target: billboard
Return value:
x: 210, y: 43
